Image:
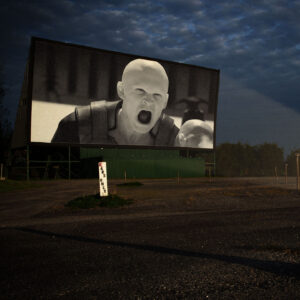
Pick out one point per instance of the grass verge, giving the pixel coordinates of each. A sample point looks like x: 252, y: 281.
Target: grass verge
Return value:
x: 133, y: 183
x: 91, y: 201
x: 13, y: 185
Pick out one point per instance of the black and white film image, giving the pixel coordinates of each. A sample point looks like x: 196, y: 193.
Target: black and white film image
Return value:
x: 88, y: 96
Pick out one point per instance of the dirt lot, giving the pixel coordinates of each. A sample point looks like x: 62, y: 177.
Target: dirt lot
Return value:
x: 155, y: 196
x: 192, y: 239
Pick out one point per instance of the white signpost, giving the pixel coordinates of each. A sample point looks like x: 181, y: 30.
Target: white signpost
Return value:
x: 103, y: 179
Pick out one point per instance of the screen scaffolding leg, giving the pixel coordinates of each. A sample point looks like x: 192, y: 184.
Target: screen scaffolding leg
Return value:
x: 214, y: 163
x: 27, y: 163
x: 69, y: 149
x: 298, y: 171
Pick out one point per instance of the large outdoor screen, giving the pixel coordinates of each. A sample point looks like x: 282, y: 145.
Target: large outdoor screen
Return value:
x: 86, y: 96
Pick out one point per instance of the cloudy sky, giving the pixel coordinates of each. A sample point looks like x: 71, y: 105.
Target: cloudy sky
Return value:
x: 255, y: 44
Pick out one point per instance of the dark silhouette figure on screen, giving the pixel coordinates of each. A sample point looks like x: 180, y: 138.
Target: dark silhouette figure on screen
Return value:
x: 196, y: 108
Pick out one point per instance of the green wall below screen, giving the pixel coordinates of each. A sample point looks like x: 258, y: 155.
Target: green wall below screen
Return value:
x: 140, y: 163
x: 128, y: 153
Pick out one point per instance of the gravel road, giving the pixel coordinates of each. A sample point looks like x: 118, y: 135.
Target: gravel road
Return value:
x: 196, y: 239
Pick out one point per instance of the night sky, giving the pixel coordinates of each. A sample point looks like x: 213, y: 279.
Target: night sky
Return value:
x: 255, y: 44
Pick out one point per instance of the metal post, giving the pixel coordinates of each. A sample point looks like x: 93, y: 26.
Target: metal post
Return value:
x: 214, y: 163
x: 69, y: 147
x: 27, y: 164
x: 1, y: 172
x: 276, y: 175
x: 298, y: 171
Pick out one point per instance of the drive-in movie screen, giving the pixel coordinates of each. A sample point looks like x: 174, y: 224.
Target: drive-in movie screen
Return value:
x: 86, y: 96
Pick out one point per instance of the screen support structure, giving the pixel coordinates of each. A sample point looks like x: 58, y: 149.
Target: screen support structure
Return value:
x: 30, y: 163
x: 298, y: 171
x: 214, y: 163
x: 27, y: 163
x: 69, y: 158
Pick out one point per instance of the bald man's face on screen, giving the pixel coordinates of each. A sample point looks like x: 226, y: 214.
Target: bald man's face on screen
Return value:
x: 144, y: 91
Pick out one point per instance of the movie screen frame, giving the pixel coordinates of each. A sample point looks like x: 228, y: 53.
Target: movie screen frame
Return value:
x: 77, y: 89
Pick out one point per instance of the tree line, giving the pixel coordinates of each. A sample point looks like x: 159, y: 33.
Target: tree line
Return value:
x: 260, y: 160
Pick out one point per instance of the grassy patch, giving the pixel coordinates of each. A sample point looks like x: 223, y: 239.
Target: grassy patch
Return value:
x: 133, y: 183
x: 13, y: 185
x: 91, y: 201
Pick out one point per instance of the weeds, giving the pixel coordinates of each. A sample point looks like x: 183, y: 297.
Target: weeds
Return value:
x: 133, y: 183
x: 91, y: 201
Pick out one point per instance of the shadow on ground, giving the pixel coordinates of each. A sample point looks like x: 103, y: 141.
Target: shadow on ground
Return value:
x: 275, y: 267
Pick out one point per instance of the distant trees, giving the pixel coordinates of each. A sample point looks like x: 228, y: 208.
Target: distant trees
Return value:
x: 245, y: 160
x: 271, y: 159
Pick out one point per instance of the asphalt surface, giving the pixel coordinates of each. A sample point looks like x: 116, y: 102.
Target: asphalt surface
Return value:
x: 196, y: 239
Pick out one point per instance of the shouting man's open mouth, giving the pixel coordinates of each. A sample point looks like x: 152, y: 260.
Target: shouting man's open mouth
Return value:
x: 144, y: 116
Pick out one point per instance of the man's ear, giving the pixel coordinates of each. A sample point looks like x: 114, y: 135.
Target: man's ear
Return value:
x: 120, y: 89
x: 167, y: 98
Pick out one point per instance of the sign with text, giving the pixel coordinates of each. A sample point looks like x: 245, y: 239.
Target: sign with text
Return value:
x: 103, y: 188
